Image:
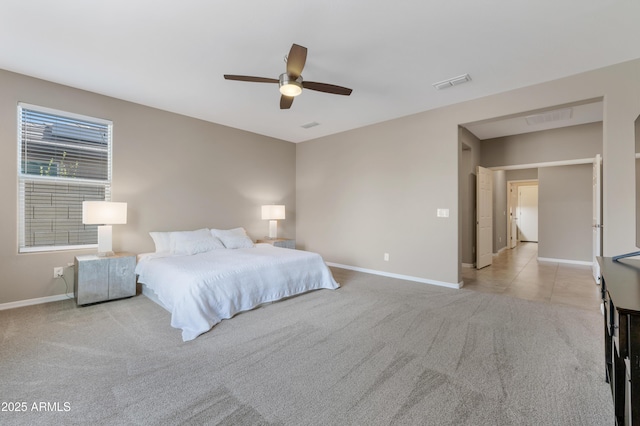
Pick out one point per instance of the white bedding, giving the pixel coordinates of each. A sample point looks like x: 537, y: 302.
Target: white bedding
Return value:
x: 203, y: 289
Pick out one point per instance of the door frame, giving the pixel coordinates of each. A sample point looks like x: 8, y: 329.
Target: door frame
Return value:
x: 597, y: 216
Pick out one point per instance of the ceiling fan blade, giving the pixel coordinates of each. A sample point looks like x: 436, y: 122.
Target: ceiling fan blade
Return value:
x: 296, y: 60
x: 327, y: 88
x: 251, y: 79
x: 285, y: 102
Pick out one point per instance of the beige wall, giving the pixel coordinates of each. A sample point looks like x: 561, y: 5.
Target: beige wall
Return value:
x: 521, y: 174
x: 567, y: 143
x: 376, y: 189
x: 173, y: 171
x: 499, y: 210
x: 565, y: 212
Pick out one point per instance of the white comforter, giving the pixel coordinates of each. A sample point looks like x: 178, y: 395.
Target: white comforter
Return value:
x: 203, y: 289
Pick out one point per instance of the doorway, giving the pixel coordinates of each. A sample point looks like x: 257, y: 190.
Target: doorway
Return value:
x: 522, y: 206
x: 528, y: 213
x: 512, y: 145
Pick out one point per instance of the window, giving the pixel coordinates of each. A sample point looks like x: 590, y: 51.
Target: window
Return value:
x: 64, y: 159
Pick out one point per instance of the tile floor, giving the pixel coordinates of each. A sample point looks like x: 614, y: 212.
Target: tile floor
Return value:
x: 518, y: 273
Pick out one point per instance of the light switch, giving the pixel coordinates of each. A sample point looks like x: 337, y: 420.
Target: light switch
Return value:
x: 443, y: 212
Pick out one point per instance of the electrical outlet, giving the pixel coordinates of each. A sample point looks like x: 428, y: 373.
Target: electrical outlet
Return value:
x: 58, y: 272
x: 386, y: 257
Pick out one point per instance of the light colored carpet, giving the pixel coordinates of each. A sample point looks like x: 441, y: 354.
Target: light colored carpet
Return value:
x: 378, y: 351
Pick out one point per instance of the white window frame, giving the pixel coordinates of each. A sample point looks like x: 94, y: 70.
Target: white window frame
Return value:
x: 25, y: 178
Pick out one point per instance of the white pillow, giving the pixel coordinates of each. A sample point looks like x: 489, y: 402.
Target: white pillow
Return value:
x: 192, y: 242
x: 162, y: 240
x: 237, y: 232
x: 236, y: 241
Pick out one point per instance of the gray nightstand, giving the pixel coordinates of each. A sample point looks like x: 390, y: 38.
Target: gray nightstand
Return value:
x: 100, y: 278
x: 279, y: 242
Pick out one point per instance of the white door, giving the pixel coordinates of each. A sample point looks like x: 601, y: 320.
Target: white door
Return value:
x: 513, y: 215
x: 528, y: 213
x: 597, y: 216
x: 514, y: 229
x: 484, y: 217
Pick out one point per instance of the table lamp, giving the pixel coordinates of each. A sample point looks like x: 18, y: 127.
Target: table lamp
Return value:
x: 104, y: 213
x: 273, y: 213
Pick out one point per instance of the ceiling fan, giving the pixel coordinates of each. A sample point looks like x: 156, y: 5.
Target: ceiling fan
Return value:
x: 291, y: 82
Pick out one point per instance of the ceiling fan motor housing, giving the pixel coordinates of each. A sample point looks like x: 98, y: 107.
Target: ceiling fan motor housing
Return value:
x: 289, y: 86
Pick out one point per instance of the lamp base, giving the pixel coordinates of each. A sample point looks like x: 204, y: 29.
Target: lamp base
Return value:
x: 104, y: 241
x: 273, y: 229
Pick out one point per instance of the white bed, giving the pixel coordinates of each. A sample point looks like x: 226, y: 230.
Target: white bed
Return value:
x: 202, y: 289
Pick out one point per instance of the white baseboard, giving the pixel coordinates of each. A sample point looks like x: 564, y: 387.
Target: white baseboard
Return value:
x: 37, y: 301
x: 398, y: 276
x: 468, y: 265
x: 571, y: 262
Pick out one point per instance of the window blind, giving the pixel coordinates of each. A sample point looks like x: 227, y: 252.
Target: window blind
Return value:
x: 64, y: 159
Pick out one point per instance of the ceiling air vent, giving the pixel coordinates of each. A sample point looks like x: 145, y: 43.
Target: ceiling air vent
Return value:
x: 549, y: 116
x: 310, y: 125
x: 450, y: 82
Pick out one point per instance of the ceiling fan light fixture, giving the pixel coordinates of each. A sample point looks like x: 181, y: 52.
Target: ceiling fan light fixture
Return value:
x: 289, y: 87
x: 290, y: 83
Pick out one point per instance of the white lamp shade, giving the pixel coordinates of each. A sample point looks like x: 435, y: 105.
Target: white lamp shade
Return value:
x: 104, y: 213
x: 273, y: 212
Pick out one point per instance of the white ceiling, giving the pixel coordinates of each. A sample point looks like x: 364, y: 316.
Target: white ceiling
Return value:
x: 172, y: 55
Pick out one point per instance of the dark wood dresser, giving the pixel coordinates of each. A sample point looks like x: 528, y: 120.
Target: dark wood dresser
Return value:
x: 621, y: 300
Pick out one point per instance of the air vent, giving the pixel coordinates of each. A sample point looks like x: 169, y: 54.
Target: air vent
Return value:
x: 450, y: 82
x: 310, y: 125
x: 549, y: 116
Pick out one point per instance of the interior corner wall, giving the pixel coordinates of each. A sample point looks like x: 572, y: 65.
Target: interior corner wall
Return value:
x: 175, y: 173
x: 565, y: 212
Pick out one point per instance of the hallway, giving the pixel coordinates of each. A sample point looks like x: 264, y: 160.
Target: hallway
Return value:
x: 518, y: 273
